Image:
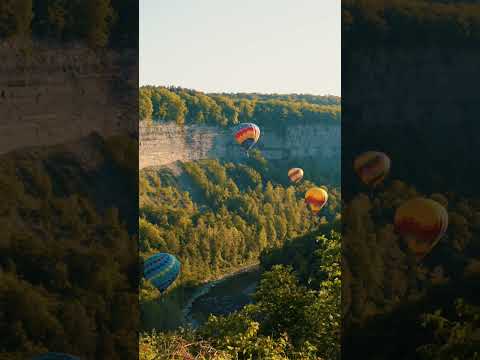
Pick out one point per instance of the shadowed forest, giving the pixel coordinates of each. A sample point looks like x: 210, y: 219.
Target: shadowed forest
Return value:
x: 67, y: 267
x: 100, y: 24
x: 408, y: 53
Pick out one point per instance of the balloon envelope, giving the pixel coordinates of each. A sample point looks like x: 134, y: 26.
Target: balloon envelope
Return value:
x: 316, y: 198
x: 372, y: 167
x: 161, y: 270
x: 422, y: 222
x: 295, y: 174
x: 247, y: 135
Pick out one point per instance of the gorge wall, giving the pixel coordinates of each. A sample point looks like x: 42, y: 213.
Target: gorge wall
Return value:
x: 165, y: 143
x: 56, y: 95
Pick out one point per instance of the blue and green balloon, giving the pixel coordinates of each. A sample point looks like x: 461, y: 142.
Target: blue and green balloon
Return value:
x: 161, y: 270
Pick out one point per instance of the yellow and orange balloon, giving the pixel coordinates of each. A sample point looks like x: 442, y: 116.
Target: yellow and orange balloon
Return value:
x: 295, y: 175
x: 421, y: 222
x: 372, y: 167
x: 316, y: 198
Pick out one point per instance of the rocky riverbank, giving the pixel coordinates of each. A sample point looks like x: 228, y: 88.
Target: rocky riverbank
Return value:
x: 222, y: 296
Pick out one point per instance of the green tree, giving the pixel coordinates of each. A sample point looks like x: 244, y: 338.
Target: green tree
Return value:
x: 168, y: 106
x: 15, y: 18
x: 455, y: 338
x: 145, y: 105
x: 100, y: 16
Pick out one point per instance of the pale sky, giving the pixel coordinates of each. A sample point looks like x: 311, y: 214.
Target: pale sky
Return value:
x: 265, y: 46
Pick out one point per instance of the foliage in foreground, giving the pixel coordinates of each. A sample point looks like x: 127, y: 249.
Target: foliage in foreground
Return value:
x: 183, y: 345
x: 382, y: 283
x: 67, y: 264
x: 289, y: 319
x: 456, y: 337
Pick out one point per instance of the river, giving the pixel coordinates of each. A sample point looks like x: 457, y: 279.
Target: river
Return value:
x: 191, y: 307
x: 222, y: 297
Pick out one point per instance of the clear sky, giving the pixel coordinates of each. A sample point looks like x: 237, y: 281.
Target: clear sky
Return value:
x: 266, y: 46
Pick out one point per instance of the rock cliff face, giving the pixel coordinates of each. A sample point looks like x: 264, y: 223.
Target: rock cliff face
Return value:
x: 54, y: 96
x: 163, y: 144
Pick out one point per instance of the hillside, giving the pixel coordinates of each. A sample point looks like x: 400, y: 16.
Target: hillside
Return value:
x: 186, y: 106
x: 384, y: 292
x: 232, y: 215
x: 206, y: 176
x: 68, y: 247
x: 294, y: 132
x: 290, y: 318
x: 218, y: 211
x: 225, y: 217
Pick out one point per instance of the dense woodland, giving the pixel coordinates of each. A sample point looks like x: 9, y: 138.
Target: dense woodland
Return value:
x: 290, y: 318
x: 385, y: 294
x: 68, y: 270
x: 379, y: 280
x: 217, y: 217
x: 312, y: 99
x: 438, y: 307
x: 229, y: 214
x: 99, y: 23
x: 185, y: 106
x: 410, y: 23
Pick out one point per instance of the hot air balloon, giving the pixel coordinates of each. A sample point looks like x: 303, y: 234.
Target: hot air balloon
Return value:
x: 55, y: 356
x: 372, y: 167
x: 247, y: 135
x: 295, y: 174
x: 421, y: 222
x: 161, y: 270
x: 316, y: 198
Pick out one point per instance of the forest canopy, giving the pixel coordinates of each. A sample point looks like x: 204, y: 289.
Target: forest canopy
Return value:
x: 217, y: 217
x: 68, y: 263
x: 185, y: 106
x: 229, y: 215
x: 410, y: 23
x: 100, y: 23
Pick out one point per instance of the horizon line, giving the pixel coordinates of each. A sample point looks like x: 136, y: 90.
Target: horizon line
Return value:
x: 240, y: 92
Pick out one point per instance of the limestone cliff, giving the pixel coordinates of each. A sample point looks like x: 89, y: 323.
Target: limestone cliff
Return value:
x: 165, y: 143
x: 57, y: 95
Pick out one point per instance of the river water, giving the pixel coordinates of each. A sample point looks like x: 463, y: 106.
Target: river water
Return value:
x: 193, y: 306
x: 222, y: 297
